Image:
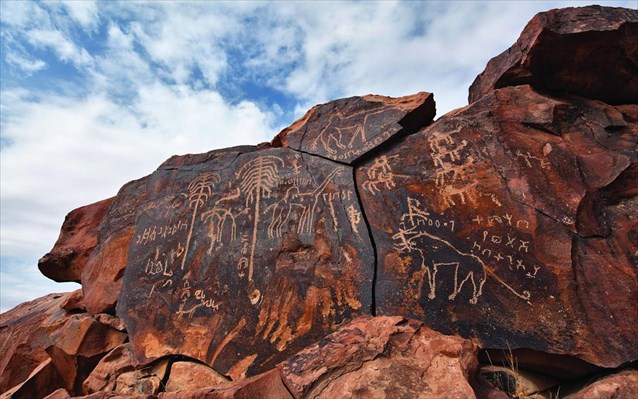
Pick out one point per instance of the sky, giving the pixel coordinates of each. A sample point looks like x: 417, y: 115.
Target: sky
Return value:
x: 95, y: 94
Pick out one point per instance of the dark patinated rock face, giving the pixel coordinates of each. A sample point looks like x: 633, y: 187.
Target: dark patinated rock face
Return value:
x: 346, y: 129
x: 243, y: 255
x: 590, y: 51
x: 513, y: 220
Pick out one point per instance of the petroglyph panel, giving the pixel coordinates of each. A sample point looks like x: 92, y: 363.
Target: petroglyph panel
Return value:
x: 260, y: 253
x: 470, y: 223
x: 345, y: 129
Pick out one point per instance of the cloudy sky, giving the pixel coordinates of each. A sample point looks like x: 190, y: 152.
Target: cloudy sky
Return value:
x: 94, y: 94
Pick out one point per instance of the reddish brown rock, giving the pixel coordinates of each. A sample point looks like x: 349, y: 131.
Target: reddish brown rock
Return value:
x: 102, y: 275
x: 346, y: 129
x: 241, y: 257
x: 59, y: 394
x: 116, y: 372
x: 622, y: 385
x: 514, y: 206
x: 589, y: 51
x: 78, y: 237
x: 104, y: 376
x: 74, y: 302
x: 111, y: 321
x: 25, y: 334
x: 384, y: 357
x: 78, y: 346
x: 191, y: 376
x: 43, y: 380
x: 267, y: 385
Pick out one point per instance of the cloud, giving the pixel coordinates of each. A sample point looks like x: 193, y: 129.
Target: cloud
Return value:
x: 64, y: 48
x: 85, y: 12
x: 26, y: 65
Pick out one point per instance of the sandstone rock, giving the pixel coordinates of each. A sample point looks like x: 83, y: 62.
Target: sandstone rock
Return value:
x: 25, y: 334
x: 43, y: 380
x: 241, y: 257
x: 78, y: 237
x: 111, y: 321
x: 620, y: 385
x: 142, y: 381
x: 515, y: 205
x: 104, y: 375
x: 74, y: 302
x: 191, y: 376
x: 590, y: 51
x: 346, y: 129
x: 102, y: 275
x: 267, y: 385
x: 78, y: 346
x: 384, y: 357
x: 59, y: 394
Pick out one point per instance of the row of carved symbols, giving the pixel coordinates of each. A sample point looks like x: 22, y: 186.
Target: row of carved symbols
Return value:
x: 418, y: 215
x: 503, y: 219
x: 487, y: 253
x: 150, y: 234
x: 193, y: 299
x: 413, y: 228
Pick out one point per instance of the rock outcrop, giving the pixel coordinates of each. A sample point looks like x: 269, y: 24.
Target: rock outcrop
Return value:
x: 331, y: 261
x: 517, y: 204
x: 587, y: 51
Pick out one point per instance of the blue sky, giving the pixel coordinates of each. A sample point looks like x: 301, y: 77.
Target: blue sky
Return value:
x: 95, y: 94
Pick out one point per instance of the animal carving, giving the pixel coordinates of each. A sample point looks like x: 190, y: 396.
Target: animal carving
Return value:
x: 437, y: 255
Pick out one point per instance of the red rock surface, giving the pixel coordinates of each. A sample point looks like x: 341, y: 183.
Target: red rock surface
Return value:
x: 78, y: 238
x: 102, y: 275
x: 244, y: 256
x: 42, y: 380
x: 508, y: 208
x: 78, y: 346
x: 622, y: 385
x: 25, y: 333
x: 589, y: 51
x: 384, y: 357
x: 346, y: 129
x: 190, y: 376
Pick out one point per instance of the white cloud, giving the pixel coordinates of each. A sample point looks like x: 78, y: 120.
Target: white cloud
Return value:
x: 85, y: 12
x: 64, y: 48
x: 69, y: 152
x: 26, y: 65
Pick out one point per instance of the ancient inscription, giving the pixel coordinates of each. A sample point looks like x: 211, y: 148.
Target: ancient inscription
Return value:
x: 218, y: 248
x: 346, y: 136
x: 380, y: 175
x: 258, y: 177
x: 453, y: 164
x: 421, y: 233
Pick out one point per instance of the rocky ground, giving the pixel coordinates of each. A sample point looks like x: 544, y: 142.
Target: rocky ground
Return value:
x: 371, y: 251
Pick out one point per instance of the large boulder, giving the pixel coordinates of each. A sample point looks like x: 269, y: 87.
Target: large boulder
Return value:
x: 345, y: 130
x: 245, y: 255
x: 514, y: 221
x: 589, y: 51
x: 385, y: 357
